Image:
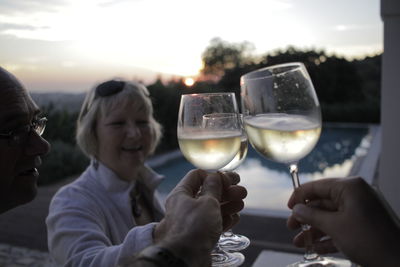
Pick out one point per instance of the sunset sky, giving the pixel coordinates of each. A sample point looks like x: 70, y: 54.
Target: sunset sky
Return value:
x: 68, y: 45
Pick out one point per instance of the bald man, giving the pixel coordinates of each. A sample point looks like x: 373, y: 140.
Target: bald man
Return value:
x: 21, y: 144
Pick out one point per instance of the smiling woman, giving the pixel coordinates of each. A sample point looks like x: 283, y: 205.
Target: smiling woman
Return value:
x: 110, y: 213
x: 117, y: 131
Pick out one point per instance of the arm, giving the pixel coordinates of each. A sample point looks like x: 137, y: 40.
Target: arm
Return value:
x: 353, y: 215
x: 194, y: 219
x: 78, y: 234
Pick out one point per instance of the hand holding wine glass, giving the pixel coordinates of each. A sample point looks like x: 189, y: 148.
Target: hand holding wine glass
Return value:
x: 283, y: 122
x: 209, y: 136
x: 357, y: 214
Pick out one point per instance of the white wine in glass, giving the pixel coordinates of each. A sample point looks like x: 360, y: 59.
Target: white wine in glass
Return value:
x: 283, y: 138
x: 209, y: 136
x: 282, y: 118
x: 239, y: 157
x: 230, y: 241
x: 208, y: 150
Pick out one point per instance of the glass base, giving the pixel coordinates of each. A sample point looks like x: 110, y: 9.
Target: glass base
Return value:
x: 233, y: 242
x: 220, y: 258
x: 323, y: 262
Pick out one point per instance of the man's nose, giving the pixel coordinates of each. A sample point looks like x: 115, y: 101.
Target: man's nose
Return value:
x: 37, y: 145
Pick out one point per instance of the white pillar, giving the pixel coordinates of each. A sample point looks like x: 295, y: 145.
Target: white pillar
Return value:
x: 389, y: 169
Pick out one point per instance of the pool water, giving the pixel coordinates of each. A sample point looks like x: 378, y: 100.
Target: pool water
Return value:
x: 269, y: 184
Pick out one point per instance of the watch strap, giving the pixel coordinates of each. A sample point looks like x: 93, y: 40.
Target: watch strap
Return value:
x: 160, y: 256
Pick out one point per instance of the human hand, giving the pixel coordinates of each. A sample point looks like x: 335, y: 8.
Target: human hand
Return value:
x: 194, y: 217
x: 232, y: 201
x: 350, y: 216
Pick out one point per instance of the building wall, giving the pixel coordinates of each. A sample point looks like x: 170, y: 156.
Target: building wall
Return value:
x: 389, y: 169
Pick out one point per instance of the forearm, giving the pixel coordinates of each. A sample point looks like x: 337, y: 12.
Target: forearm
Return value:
x: 169, y: 254
x: 188, y: 244
x: 387, y: 251
x: 383, y: 257
x: 388, y: 248
x: 192, y: 252
x: 83, y: 242
x: 383, y: 234
x: 92, y: 249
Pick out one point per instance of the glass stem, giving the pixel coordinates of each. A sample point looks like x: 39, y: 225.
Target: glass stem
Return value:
x: 228, y: 233
x: 309, y: 254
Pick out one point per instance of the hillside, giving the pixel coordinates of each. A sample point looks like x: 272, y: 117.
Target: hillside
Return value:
x: 69, y: 101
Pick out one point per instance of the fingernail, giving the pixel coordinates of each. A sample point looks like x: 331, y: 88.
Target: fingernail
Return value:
x: 300, y: 211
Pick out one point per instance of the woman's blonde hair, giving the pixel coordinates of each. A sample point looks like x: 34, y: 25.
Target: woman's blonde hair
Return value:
x: 95, y: 105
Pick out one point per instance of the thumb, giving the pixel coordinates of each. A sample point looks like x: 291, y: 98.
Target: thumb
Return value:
x: 190, y: 184
x: 212, y: 186
x: 317, y: 218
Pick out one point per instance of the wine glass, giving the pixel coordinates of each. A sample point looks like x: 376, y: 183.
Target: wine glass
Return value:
x: 209, y: 136
x: 228, y: 240
x: 282, y: 118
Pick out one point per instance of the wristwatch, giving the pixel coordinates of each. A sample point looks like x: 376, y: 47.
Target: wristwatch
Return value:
x: 161, y: 257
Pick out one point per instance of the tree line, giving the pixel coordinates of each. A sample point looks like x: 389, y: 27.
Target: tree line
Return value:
x: 348, y: 90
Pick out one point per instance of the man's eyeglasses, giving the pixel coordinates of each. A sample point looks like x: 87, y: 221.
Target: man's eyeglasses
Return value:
x: 20, y: 135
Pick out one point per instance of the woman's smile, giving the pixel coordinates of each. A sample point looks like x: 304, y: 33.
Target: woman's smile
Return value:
x: 135, y: 151
x: 132, y: 148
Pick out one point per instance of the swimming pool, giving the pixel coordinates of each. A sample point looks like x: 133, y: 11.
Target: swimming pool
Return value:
x: 269, y: 185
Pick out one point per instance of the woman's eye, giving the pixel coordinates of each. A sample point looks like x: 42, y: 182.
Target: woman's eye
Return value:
x: 143, y: 122
x: 117, y: 123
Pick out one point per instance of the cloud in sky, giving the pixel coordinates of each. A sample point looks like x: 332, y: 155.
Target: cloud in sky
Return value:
x: 170, y: 36
x: 4, y: 27
x: 108, y: 3
x: 26, y: 6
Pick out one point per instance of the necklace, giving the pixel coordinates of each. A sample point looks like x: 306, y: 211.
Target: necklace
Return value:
x: 135, y: 197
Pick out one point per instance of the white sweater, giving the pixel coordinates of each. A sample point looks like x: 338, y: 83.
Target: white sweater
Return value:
x: 90, y: 221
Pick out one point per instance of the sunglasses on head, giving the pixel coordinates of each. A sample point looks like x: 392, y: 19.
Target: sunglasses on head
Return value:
x: 109, y: 88
x: 113, y: 87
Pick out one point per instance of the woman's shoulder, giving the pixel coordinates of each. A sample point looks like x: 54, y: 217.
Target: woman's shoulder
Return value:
x: 82, y: 189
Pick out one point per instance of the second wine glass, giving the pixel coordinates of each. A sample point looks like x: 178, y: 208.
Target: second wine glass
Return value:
x: 283, y: 121
x: 230, y: 241
x: 209, y: 136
